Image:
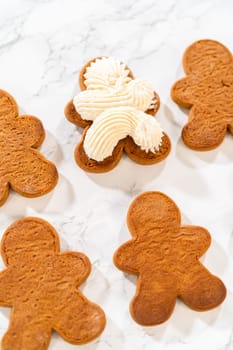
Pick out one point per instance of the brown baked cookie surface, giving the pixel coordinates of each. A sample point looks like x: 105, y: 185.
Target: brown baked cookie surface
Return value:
x: 126, y: 144
x: 22, y: 167
x: 208, y: 92
x: 40, y: 284
x: 165, y: 256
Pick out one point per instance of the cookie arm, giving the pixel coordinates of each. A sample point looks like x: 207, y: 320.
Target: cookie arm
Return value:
x: 8, y: 106
x: 184, y: 90
x: 7, y: 287
x: 73, y: 116
x: 73, y: 268
x: 195, y: 240
x: 29, y: 130
x: 125, y: 257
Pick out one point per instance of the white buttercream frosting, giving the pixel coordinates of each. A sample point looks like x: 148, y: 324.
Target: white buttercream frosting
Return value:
x: 137, y: 93
x: 115, y: 124
x: 142, y: 94
x: 116, y: 104
x: 105, y: 72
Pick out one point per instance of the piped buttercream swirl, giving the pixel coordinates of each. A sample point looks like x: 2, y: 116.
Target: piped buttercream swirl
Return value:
x: 115, y: 124
x: 137, y: 93
x: 106, y: 72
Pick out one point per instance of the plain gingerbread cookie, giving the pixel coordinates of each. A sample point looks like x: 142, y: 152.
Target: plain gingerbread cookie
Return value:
x: 40, y: 284
x: 165, y: 256
x: 208, y: 92
x: 22, y: 167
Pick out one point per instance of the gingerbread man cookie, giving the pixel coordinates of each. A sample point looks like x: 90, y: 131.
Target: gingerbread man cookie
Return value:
x: 165, y: 256
x: 22, y: 167
x: 40, y: 284
x: 208, y: 92
x: 117, y: 112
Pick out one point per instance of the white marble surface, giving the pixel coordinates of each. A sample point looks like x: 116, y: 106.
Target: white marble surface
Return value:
x: 43, y: 44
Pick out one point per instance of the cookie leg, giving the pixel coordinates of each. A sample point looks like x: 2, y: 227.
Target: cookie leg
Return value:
x: 205, y: 129
x: 139, y: 156
x: 153, y: 302
x: 201, y: 290
x: 25, y: 335
x: 77, y: 320
x: 32, y: 174
x: 93, y: 166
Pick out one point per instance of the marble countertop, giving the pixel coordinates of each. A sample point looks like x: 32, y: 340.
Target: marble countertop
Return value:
x: 43, y: 44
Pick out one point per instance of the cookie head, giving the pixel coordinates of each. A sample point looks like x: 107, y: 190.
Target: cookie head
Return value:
x: 205, y: 56
x: 30, y: 236
x: 102, y: 73
x: 154, y: 212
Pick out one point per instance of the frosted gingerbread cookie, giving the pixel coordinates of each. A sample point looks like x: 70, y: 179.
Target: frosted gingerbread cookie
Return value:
x: 165, y: 256
x: 22, y: 167
x: 117, y: 112
x: 40, y: 284
x: 208, y: 92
